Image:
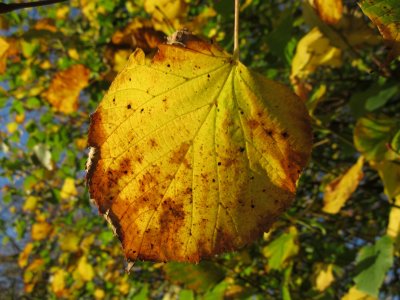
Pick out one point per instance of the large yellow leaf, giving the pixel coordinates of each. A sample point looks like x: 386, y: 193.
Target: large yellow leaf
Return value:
x: 339, y: 190
x: 193, y: 154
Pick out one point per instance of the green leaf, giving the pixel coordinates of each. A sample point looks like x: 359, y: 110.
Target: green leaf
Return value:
x: 381, y: 95
x: 281, y: 249
x: 186, y: 294
x: 395, y: 144
x: 373, y: 135
x: 143, y: 293
x: 279, y: 38
x: 372, y: 264
x: 385, y: 14
x: 389, y: 171
x: 217, y: 293
x: 199, y: 277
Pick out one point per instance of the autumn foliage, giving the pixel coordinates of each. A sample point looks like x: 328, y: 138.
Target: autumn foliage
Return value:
x: 194, y: 154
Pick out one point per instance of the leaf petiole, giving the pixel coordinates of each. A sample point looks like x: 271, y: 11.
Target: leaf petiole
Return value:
x: 236, y: 32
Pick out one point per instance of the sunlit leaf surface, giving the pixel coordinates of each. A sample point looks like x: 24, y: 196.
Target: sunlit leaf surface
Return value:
x: 193, y: 154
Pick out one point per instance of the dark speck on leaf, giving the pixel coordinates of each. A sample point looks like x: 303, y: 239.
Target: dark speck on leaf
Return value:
x: 128, y: 106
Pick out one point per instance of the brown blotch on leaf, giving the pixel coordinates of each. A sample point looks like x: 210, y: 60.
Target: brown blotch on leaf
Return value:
x: 179, y: 154
x: 253, y: 124
x: 153, y: 143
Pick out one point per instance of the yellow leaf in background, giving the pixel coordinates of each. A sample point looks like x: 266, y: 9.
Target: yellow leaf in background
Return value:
x: 355, y: 294
x: 26, y: 74
x: 40, y: 231
x: 81, y: 143
x: 87, y: 242
x: 12, y: 209
x: 312, y: 51
x: 85, y: 269
x: 20, y: 118
x: 30, y: 203
x: 330, y: 11
x: 45, y: 65
x: 99, y: 294
x: 58, y: 283
x: 45, y: 24
x: 62, y: 12
x: 166, y: 13
x: 120, y: 59
x: 339, y: 190
x: 12, y: 127
x: 73, y: 53
x: 24, y: 255
x: 393, y: 229
x: 69, y: 242
x: 4, y: 46
x: 323, y: 276
x: 199, y: 163
x: 124, y: 287
x: 91, y: 11
x: 68, y: 189
x: 33, y: 274
x: 65, y: 88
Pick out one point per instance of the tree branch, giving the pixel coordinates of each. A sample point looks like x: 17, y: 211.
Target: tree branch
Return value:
x: 6, y: 8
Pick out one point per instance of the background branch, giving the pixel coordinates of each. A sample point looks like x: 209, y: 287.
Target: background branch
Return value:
x: 5, y: 8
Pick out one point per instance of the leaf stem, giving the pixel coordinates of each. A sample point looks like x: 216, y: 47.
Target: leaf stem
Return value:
x: 236, y: 32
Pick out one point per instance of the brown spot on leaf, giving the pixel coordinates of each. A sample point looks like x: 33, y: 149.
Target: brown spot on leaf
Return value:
x: 153, y: 143
x: 179, y: 154
x: 253, y: 124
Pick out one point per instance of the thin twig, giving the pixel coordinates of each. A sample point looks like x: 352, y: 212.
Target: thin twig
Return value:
x: 236, y: 32
x: 6, y: 8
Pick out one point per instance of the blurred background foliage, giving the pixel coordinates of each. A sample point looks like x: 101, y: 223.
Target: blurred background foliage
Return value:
x: 340, y: 239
